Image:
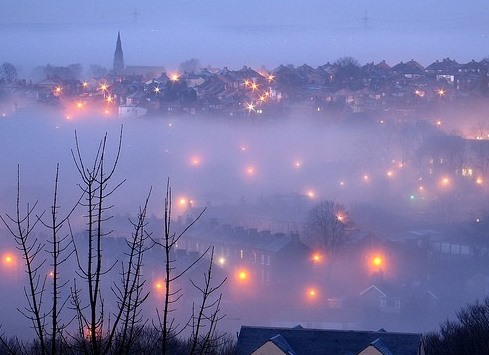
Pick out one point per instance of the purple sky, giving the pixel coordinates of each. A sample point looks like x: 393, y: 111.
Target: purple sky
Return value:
x: 236, y: 33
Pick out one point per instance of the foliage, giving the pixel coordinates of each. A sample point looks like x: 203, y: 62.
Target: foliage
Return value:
x: 467, y: 335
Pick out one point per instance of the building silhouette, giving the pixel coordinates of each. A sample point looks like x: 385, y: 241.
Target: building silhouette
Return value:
x: 118, y: 65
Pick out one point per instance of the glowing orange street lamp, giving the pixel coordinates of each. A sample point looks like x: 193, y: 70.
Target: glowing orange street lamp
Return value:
x: 377, y: 261
x: 174, y: 77
x: 316, y: 258
x: 312, y: 293
x: 242, y: 276
x: 9, y: 260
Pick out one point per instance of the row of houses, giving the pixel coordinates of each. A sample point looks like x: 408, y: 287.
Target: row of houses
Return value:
x: 406, y: 86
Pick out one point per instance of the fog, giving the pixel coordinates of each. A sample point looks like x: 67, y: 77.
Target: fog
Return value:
x: 260, y: 177
x: 412, y: 190
x: 253, y: 33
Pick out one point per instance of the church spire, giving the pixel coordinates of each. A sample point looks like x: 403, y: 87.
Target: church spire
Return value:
x: 118, y: 65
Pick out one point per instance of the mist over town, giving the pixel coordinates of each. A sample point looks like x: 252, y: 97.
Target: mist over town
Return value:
x: 223, y: 198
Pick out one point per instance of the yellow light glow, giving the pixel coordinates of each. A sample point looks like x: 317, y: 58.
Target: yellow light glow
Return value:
x: 441, y: 92
x: 242, y: 275
x: 85, y: 84
x: 9, y: 260
x: 103, y: 87
x: 390, y: 173
x: 79, y: 105
x: 312, y: 293
x: 316, y: 258
x: 174, y: 77
x: 254, y: 86
x: 377, y: 261
x: 478, y: 181
x: 270, y: 78
x: 221, y: 260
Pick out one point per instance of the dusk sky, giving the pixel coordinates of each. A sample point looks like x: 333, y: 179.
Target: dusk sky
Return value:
x: 236, y: 33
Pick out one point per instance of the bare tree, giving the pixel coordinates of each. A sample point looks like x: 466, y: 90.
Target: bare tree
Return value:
x: 8, y: 72
x: 119, y: 327
x: 59, y: 254
x: 167, y: 324
x: 96, y: 190
x: 131, y: 295
x: 206, y: 316
x: 190, y: 66
x: 328, y: 226
x: 21, y: 227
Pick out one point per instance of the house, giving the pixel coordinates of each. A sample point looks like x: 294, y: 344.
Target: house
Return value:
x: 374, y: 297
x: 268, y: 257
x: 298, y: 340
x: 446, y: 70
x: 410, y: 70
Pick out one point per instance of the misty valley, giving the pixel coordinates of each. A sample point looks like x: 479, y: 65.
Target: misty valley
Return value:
x: 348, y: 223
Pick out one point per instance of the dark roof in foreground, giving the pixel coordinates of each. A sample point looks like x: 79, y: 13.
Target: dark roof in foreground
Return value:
x: 338, y: 342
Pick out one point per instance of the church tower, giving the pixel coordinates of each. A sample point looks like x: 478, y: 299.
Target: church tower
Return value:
x: 118, y: 65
